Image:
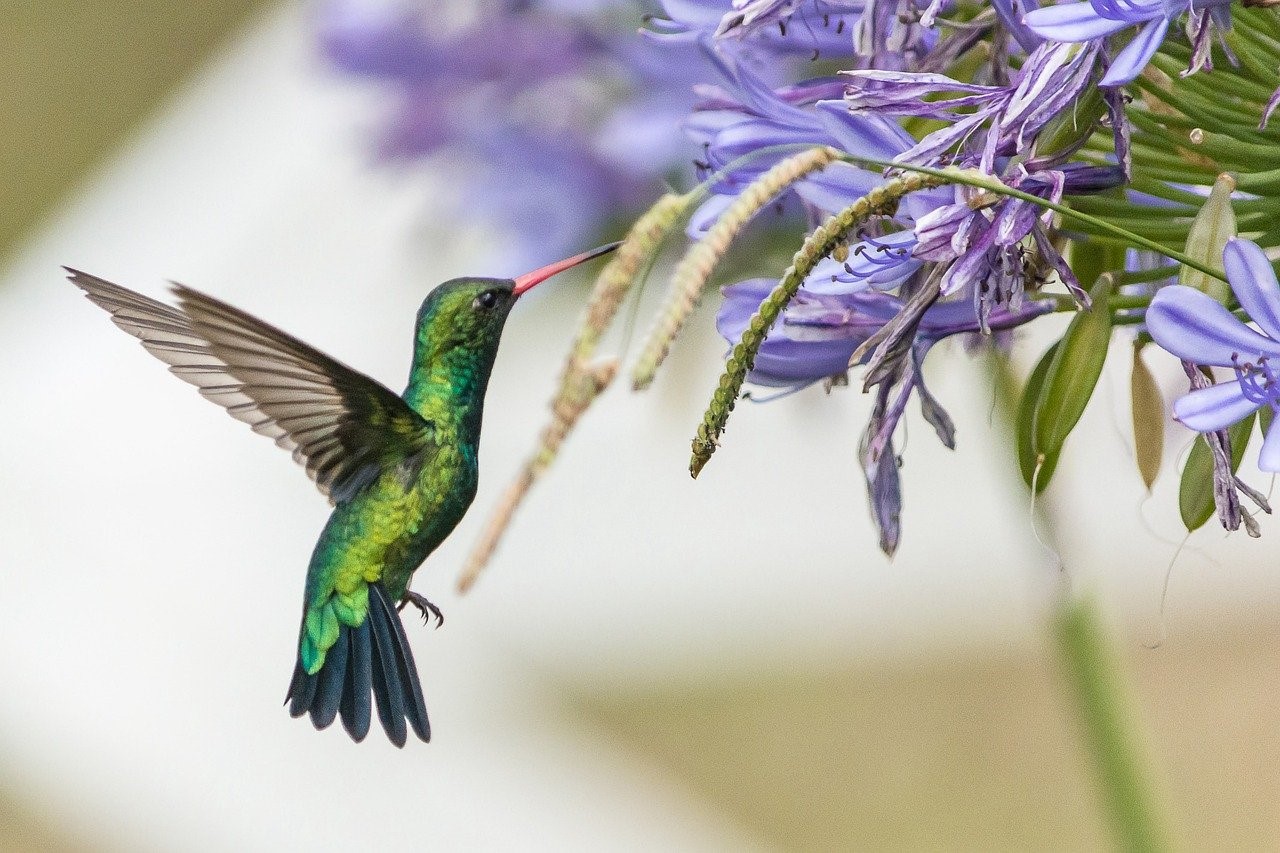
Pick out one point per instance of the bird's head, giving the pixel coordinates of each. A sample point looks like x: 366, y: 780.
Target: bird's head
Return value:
x: 469, y: 313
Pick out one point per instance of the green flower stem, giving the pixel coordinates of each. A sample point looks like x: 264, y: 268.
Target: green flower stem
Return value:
x: 1188, y: 103
x: 1254, y: 59
x: 1259, y: 182
x: 1097, y: 687
x: 1246, y: 87
x: 1257, y: 38
x: 1232, y: 153
x: 1104, y: 704
x: 1147, y: 154
x: 1064, y: 303
x: 1172, y: 231
x: 1124, y: 277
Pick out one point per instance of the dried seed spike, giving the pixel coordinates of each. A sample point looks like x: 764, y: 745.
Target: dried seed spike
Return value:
x: 581, y: 382
x: 700, y: 260
x: 882, y: 200
x: 618, y: 276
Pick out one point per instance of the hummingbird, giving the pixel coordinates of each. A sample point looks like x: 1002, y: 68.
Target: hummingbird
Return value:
x: 399, y: 470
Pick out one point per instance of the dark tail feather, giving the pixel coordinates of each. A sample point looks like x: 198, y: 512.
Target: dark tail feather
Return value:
x: 415, y: 709
x: 355, y: 698
x: 386, y: 681
x: 373, y: 658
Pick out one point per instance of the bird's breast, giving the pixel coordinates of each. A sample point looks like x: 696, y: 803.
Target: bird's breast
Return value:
x: 385, y: 533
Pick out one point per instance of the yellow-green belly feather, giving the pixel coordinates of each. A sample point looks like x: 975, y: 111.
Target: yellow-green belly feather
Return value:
x: 383, y: 534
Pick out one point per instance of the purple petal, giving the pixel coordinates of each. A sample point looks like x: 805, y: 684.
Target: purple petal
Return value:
x: 704, y: 14
x: 1011, y: 16
x: 750, y: 135
x: 781, y: 360
x: 1071, y: 22
x: 837, y: 186
x: 1272, y: 103
x: 882, y: 262
x: 1269, y: 457
x: 866, y: 136
x: 706, y: 215
x: 1214, y: 408
x: 1196, y: 328
x: 921, y: 82
x: 1136, y: 54
x: 1253, y: 280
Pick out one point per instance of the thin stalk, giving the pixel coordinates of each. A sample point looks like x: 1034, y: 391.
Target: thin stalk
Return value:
x: 1104, y: 703
x: 974, y: 178
x: 1099, y: 689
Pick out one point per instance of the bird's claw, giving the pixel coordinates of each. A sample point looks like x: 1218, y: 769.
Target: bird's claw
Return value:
x: 426, y: 608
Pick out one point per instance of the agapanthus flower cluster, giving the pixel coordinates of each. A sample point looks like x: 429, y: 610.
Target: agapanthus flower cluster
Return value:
x: 1039, y: 97
x: 1078, y: 143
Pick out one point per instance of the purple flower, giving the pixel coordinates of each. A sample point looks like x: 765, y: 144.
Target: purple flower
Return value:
x: 1049, y: 82
x: 1198, y: 329
x: 746, y: 115
x: 529, y: 108
x: 986, y: 244
x: 1090, y: 20
x: 818, y: 332
x: 806, y: 28
x: 817, y: 335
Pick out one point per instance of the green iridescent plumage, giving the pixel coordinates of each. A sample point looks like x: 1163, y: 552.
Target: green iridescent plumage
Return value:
x: 400, y: 470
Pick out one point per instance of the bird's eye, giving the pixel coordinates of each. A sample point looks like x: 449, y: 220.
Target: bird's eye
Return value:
x: 486, y: 300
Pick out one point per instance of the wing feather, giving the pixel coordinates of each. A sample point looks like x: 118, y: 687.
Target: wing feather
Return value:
x: 339, y: 424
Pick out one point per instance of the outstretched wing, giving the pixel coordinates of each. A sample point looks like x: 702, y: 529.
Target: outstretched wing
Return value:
x: 342, y: 426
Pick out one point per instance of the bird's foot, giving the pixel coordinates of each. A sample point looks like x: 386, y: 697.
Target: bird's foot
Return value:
x: 426, y: 608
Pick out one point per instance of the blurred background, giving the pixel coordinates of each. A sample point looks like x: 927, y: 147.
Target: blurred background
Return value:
x: 650, y: 662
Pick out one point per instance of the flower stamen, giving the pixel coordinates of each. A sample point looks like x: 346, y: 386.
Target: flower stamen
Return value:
x: 1257, y: 380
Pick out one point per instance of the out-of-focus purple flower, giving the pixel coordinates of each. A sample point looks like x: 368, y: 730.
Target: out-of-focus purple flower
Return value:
x: 810, y: 28
x: 818, y: 332
x: 1090, y: 20
x: 1198, y: 329
x: 530, y: 107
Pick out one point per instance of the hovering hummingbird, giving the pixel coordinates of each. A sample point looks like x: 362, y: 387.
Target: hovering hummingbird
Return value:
x: 399, y: 470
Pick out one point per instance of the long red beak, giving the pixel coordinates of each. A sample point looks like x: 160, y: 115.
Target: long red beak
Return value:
x: 529, y: 279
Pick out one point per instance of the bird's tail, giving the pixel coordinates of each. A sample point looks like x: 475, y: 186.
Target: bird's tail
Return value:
x: 372, y: 658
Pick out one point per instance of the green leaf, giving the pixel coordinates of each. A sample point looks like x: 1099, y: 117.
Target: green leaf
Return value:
x: 1148, y: 419
x: 1069, y: 381
x: 1213, y: 225
x: 1195, y: 495
x: 1089, y: 260
x: 1074, y: 125
x: 1027, y: 455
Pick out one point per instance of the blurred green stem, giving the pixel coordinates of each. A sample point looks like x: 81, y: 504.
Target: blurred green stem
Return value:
x: 1104, y: 702
x: 1098, y: 686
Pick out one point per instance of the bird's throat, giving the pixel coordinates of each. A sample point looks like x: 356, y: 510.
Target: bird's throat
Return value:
x: 449, y: 391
